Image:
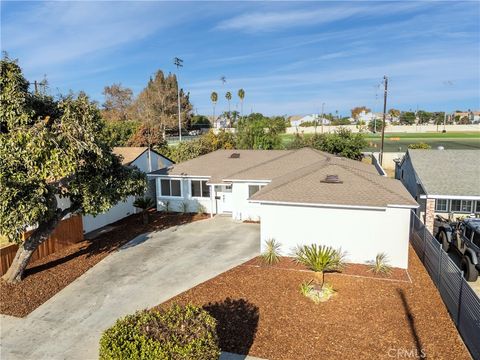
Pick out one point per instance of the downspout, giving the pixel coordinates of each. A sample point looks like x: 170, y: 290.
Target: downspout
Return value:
x: 212, y: 187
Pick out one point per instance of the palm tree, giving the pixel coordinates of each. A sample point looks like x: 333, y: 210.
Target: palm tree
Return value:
x: 228, y: 96
x: 144, y: 204
x: 320, y: 259
x: 214, y: 98
x: 241, y: 95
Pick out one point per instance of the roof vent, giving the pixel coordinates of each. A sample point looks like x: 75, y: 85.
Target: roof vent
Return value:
x: 235, y: 156
x: 332, y: 179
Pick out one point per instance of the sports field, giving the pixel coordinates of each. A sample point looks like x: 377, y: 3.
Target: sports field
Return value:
x: 397, y: 142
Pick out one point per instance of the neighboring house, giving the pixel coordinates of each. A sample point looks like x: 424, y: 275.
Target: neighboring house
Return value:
x: 144, y: 159
x: 300, y: 197
x: 297, y: 121
x: 445, y: 182
x: 367, y: 117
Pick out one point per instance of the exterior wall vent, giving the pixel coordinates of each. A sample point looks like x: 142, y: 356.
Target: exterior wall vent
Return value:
x: 235, y: 156
x: 332, y: 179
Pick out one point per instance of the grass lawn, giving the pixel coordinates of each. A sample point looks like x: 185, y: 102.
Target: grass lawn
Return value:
x: 398, y: 142
x: 260, y: 312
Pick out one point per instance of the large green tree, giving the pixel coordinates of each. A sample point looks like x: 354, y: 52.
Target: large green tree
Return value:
x: 157, y: 103
x: 52, y: 152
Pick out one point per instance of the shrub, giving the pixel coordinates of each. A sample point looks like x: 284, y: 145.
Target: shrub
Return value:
x: 184, y: 207
x: 181, y: 332
x: 166, y: 206
x: 271, y: 255
x: 420, y: 145
x: 380, y: 265
x: 201, y: 209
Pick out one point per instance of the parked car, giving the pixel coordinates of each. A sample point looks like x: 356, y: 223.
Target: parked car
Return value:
x: 464, y: 237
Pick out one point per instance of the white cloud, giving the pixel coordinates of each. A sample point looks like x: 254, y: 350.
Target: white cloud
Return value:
x: 264, y: 21
x: 57, y: 32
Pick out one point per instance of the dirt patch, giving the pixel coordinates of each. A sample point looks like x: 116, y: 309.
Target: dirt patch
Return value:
x: 47, y: 276
x: 261, y: 312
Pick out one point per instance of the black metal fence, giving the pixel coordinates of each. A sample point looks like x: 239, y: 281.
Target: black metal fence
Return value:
x: 460, y: 299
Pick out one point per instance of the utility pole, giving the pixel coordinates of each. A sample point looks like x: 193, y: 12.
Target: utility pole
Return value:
x: 178, y: 63
x: 384, y: 116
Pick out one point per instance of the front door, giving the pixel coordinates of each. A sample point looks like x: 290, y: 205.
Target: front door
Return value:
x: 224, y: 198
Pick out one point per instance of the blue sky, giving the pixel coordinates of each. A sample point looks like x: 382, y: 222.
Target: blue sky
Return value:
x: 290, y: 57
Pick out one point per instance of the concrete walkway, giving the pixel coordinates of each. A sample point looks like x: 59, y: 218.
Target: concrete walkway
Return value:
x: 145, y: 272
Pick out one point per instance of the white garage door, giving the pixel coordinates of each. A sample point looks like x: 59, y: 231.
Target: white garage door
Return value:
x: 361, y: 233
x: 119, y: 211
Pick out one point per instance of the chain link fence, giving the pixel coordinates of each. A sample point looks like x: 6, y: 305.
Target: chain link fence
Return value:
x: 460, y: 299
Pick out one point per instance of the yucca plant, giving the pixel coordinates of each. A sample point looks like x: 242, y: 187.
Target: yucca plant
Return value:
x: 271, y: 255
x: 144, y: 204
x: 380, y: 265
x: 320, y: 258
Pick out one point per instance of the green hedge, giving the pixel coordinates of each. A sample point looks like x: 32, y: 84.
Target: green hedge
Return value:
x: 181, y: 332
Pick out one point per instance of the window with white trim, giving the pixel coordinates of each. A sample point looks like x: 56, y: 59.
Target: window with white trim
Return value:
x: 170, y: 187
x: 477, y: 210
x: 441, y: 205
x: 199, y: 188
x: 463, y: 206
x: 253, y: 189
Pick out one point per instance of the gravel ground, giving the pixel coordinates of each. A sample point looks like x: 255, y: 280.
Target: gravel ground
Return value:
x: 261, y: 312
x: 47, y: 276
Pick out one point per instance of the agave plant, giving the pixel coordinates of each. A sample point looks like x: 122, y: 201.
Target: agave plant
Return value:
x: 271, y: 255
x: 320, y: 258
x: 381, y: 265
x: 144, y: 204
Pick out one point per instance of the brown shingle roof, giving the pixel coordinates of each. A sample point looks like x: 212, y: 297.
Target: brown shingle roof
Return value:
x: 129, y: 153
x: 356, y: 188
x: 296, y: 177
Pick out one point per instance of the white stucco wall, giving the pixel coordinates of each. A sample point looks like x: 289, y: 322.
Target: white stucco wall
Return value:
x: 361, y: 233
x: 125, y: 208
x: 242, y: 208
x: 175, y: 203
x: 117, y: 212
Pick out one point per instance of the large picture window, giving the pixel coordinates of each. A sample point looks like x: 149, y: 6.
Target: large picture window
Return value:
x: 199, y: 188
x: 170, y: 187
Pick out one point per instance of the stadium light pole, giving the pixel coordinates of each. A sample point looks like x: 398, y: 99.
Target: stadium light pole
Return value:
x: 384, y: 116
x: 178, y: 63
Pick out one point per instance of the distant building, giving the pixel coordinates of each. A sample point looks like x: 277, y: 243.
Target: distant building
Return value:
x: 297, y: 120
x: 368, y: 117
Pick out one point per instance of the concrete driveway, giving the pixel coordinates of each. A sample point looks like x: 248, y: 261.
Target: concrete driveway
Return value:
x: 145, y: 272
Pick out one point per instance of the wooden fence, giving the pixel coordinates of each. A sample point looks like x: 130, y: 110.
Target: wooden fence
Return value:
x: 68, y: 232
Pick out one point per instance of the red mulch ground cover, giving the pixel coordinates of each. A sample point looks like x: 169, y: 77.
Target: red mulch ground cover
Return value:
x: 261, y: 312
x: 360, y: 270
x: 47, y: 276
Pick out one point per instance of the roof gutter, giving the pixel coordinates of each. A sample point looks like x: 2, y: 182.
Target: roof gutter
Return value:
x: 358, y: 207
x: 451, y: 197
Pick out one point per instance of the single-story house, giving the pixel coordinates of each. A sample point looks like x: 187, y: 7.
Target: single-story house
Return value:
x: 146, y: 160
x: 299, y: 196
x: 297, y: 121
x: 443, y: 182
